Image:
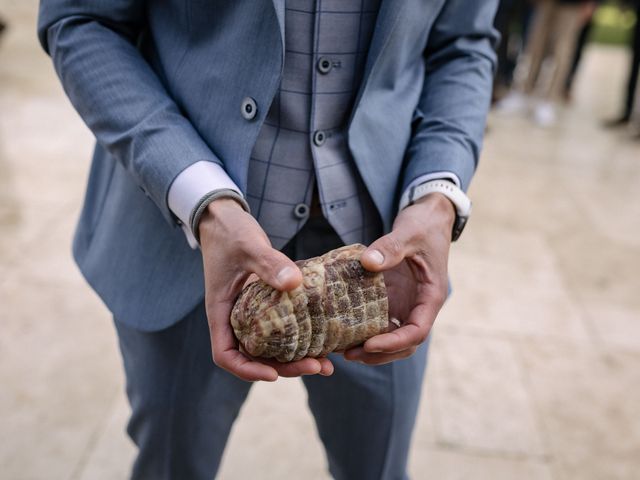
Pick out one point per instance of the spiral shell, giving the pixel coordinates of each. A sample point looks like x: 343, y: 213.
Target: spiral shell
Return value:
x: 339, y: 305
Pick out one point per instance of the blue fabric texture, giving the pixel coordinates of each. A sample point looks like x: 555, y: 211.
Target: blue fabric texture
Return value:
x: 286, y: 164
x: 160, y: 84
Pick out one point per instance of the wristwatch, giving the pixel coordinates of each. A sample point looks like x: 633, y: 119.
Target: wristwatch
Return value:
x: 453, y: 193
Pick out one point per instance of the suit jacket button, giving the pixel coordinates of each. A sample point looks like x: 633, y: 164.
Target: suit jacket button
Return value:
x: 324, y: 65
x: 301, y: 211
x: 249, y: 108
x: 319, y: 137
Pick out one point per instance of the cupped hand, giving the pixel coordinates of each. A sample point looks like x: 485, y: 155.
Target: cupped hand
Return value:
x: 414, y: 258
x: 233, y: 247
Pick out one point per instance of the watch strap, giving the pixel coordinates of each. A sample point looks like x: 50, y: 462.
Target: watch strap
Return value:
x: 204, y: 202
x: 458, y: 198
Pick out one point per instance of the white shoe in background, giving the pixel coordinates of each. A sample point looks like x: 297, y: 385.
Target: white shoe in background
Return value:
x: 545, y: 114
x: 513, y: 103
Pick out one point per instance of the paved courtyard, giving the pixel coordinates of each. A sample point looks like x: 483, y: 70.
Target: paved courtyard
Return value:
x: 534, y: 372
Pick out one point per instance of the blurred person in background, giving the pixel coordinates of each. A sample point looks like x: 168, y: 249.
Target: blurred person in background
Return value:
x: 511, y: 21
x: 583, y: 39
x: 632, y: 82
x: 236, y: 136
x: 551, y: 42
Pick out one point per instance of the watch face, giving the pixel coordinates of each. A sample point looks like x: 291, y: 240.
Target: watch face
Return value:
x: 458, y: 227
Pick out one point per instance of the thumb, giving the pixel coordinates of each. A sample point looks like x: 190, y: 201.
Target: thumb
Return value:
x: 274, y: 268
x: 385, y: 253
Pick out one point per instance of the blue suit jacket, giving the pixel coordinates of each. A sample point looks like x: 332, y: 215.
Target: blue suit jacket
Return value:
x: 160, y: 84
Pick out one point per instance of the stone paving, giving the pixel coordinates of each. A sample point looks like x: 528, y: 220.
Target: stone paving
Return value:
x: 535, y: 367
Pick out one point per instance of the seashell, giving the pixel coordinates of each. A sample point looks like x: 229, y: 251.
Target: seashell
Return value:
x: 339, y: 305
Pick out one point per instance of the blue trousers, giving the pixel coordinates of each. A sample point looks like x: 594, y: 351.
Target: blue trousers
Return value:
x: 183, y: 405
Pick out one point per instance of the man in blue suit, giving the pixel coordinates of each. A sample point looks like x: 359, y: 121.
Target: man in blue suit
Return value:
x: 233, y: 137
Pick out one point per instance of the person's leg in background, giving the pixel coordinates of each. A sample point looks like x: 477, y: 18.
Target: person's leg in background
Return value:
x: 365, y: 415
x: 183, y: 406
x: 506, y: 64
x: 583, y: 38
x: 526, y: 11
x: 565, y: 27
x: 530, y: 63
x: 632, y: 82
x: 537, y: 44
x: 632, y: 87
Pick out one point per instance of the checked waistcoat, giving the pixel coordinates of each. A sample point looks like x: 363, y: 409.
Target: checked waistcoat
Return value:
x: 302, y: 145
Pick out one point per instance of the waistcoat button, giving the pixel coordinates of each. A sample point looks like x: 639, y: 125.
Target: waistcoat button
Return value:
x: 249, y: 108
x: 324, y: 65
x: 319, y: 137
x: 301, y: 211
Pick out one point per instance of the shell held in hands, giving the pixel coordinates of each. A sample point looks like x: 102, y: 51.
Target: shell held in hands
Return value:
x: 338, y: 305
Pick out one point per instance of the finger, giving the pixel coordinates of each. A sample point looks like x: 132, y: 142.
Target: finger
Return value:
x: 326, y: 367
x: 273, y: 267
x: 249, y: 370
x: 411, y: 334
x: 404, y: 337
x: 306, y: 366
x: 385, y: 253
x: 359, y: 354
x: 225, y: 351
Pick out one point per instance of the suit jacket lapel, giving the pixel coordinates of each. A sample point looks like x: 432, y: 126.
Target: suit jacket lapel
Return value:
x: 385, y: 23
x: 279, y: 5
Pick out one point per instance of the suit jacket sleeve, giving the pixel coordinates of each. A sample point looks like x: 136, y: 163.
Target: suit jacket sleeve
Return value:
x: 117, y: 93
x: 449, y: 121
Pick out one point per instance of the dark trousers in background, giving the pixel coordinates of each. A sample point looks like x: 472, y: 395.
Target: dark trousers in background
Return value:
x: 583, y: 38
x: 183, y: 406
x: 511, y: 21
x: 632, y: 84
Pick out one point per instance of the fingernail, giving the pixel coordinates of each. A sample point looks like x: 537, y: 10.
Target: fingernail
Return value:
x: 284, y: 275
x: 376, y: 256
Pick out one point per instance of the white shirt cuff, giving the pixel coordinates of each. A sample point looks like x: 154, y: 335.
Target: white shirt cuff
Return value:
x: 190, y: 186
x: 406, y: 195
